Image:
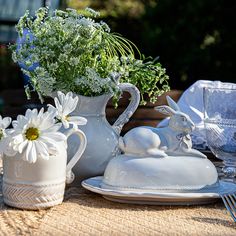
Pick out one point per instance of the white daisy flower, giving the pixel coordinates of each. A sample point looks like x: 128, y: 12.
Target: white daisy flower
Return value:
x: 35, y: 135
x: 4, y: 123
x: 65, y: 104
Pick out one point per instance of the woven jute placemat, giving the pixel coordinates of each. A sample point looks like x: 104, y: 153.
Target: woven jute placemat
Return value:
x: 85, y: 213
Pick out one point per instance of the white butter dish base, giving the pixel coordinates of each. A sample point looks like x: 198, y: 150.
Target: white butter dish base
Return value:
x: 159, y: 197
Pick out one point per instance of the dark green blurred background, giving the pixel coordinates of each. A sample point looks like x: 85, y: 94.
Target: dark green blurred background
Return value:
x: 194, y: 39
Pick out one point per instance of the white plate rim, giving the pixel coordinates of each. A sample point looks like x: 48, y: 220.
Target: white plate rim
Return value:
x: 89, y: 185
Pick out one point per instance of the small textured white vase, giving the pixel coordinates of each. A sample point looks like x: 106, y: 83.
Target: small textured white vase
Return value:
x: 41, y: 184
x: 102, y: 137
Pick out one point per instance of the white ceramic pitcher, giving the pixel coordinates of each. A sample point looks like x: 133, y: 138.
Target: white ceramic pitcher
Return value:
x: 41, y: 184
x: 102, y: 137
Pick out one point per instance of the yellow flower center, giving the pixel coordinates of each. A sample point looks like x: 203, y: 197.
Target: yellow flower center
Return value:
x: 67, y: 118
x: 1, y: 134
x: 32, y: 133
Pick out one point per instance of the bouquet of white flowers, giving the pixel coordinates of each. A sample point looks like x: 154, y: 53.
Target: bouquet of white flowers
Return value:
x: 73, y: 52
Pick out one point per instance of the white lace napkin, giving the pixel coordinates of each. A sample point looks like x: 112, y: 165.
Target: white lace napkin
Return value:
x: 191, y: 103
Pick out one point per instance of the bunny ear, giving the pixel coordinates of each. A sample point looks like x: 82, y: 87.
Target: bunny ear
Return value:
x: 165, y: 110
x: 172, y: 103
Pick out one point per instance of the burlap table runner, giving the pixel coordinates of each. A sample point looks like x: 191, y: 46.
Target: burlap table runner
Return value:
x: 85, y: 213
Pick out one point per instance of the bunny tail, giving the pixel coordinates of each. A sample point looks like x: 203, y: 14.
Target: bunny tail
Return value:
x: 156, y: 153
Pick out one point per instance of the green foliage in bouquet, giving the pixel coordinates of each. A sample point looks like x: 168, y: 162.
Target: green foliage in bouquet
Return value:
x: 76, y: 53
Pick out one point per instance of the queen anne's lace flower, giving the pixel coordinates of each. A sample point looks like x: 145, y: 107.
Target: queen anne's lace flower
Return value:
x: 95, y: 83
x: 65, y: 104
x: 4, y: 123
x: 35, y: 135
x: 46, y: 84
x: 94, y: 13
x: 76, y: 52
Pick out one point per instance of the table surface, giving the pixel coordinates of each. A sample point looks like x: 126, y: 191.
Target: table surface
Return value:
x: 86, y: 213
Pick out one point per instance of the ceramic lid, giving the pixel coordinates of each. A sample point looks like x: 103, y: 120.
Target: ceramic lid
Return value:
x: 169, y: 173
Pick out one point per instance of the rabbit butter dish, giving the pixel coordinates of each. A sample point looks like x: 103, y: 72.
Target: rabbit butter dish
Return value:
x: 161, y: 158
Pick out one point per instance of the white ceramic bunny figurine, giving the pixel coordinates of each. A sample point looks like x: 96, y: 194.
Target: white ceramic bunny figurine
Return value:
x: 173, y: 140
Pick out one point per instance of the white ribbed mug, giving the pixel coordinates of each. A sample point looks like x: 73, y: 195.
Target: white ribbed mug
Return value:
x: 40, y: 184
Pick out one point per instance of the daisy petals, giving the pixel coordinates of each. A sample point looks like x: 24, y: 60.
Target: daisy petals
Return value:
x: 30, y: 153
x: 56, y: 136
x: 22, y: 145
x: 42, y: 150
x: 78, y: 120
x: 65, y: 123
x: 6, y: 122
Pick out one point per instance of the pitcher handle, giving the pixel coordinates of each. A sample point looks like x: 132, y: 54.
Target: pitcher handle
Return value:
x: 129, y: 111
x: 83, y: 142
